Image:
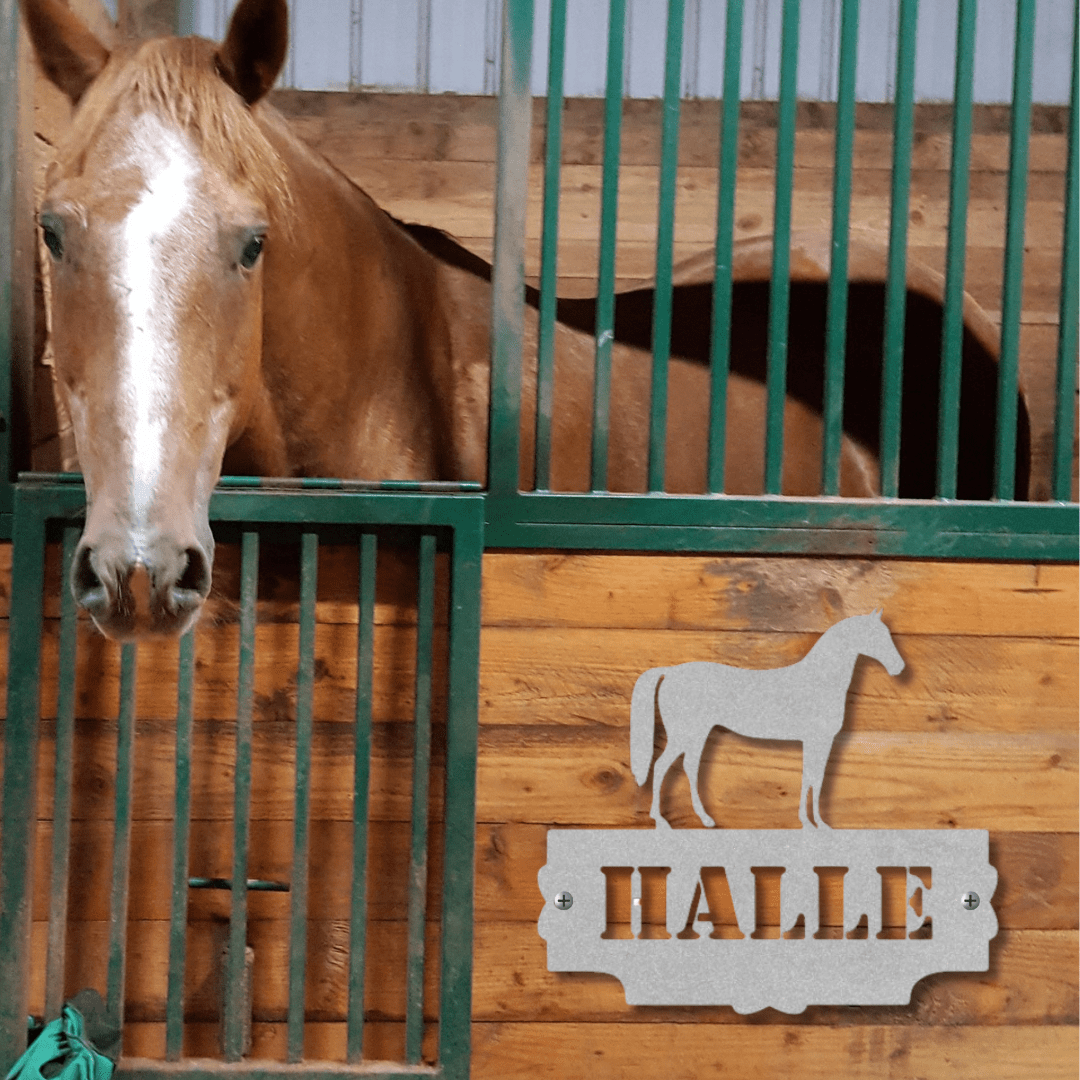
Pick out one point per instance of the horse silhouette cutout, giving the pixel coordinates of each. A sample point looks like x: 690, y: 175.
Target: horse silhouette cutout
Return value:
x: 803, y: 702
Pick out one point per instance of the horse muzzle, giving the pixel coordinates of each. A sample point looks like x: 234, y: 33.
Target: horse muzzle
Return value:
x: 158, y: 591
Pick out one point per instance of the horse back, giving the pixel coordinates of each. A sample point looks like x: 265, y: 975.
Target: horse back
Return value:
x: 790, y: 702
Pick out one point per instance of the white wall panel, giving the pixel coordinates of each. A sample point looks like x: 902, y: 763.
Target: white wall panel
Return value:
x: 459, y: 46
x: 452, y: 46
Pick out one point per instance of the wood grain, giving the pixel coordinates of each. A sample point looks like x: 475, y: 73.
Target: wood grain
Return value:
x: 779, y: 595
x: 1001, y: 781
x: 571, y: 676
x: 877, y: 781
x: 1032, y: 978
x: 529, y: 1050
x: 1037, y: 886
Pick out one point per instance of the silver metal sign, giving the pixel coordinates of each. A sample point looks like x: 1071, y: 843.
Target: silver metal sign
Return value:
x: 736, y: 917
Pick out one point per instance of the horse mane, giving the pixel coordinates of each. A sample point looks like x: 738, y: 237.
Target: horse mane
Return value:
x: 178, y: 79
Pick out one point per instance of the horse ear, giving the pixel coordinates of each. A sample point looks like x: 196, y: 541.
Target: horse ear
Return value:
x: 253, y: 51
x: 69, y: 54
x: 877, y: 612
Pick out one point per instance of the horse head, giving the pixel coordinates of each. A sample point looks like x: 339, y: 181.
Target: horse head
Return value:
x: 877, y: 642
x: 154, y: 215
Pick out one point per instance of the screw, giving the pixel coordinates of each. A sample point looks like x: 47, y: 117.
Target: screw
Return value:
x: 563, y: 901
x: 970, y: 900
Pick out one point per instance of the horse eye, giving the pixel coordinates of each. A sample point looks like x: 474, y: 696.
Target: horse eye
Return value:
x: 252, y: 250
x: 53, y: 241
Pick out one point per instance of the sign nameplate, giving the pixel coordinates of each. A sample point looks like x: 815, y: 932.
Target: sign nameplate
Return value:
x: 905, y: 903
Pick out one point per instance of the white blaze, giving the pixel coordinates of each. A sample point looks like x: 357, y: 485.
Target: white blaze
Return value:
x: 150, y: 274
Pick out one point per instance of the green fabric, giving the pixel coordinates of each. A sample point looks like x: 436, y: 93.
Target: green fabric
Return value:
x: 62, y: 1052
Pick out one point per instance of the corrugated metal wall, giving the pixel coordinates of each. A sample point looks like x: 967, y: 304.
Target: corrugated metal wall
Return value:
x: 451, y: 46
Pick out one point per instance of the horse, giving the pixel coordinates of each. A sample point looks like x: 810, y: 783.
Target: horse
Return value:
x: 224, y: 299
x: 803, y: 702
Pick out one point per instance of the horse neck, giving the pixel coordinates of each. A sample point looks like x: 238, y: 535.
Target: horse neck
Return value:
x: 834, y: 649
x: 351, y: 322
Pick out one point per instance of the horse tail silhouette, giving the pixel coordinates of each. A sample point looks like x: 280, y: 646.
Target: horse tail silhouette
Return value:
x: 642, y: 722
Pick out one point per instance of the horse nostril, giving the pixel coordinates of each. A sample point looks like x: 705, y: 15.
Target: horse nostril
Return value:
x: 86, y: 584
x: 196, y: 575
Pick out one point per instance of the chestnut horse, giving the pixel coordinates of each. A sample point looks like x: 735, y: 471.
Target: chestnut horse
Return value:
x: 225, y: 299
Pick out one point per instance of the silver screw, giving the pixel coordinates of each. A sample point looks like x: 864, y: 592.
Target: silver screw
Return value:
x: 563, y: 901
x: 970, y: 900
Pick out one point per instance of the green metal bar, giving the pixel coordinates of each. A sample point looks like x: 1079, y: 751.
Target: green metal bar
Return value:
x: 952, y: 332
x: 121, y: 856
x: 184, y: 18
x: 305, y: 683
x: 609, y: 224
x: 9, y: 168
x: 837, y: 310
x: 174, y: 1001
x: 1012, y: 293
x: 65, y: 738
x: 896, y: 281
x: 1069, y: 311
x: 1023, y: 532
x: 459, y: 842
x: 221, y: 884
x: 780, y: 284
x: 549, y: 245
x: 234, y: 1021
x: 720, y: 346
x: 201, y: 1069
x: 421, y: 780
x: 665, y: 241
x: 508, y: 272
x: 18, y: 809
x: 365, y: 634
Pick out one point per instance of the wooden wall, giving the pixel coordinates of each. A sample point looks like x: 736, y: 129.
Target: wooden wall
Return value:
x: 978, y: 732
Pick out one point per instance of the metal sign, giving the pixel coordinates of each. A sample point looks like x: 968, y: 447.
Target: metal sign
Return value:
x: 737, y: 917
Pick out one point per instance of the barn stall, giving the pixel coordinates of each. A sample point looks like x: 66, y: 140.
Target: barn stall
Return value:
x: 979, y: 734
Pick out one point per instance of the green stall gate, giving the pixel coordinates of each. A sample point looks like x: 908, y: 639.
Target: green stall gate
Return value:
x: 444, y: 529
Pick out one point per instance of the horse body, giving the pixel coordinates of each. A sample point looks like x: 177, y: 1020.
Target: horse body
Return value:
x: 343, y: 349
x: 803, y: 702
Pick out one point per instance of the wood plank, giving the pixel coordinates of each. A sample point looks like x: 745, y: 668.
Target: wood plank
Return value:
x: 1032, y: 978
x: 1037, y: 885
x: 779, y: 594
x: 213, y: 749
x: 270, y: 859
x: 878, y: 780
x: 326, y: 976
x: 217, y: 658
x: 536, y: 1051
x: 581, y: 776
x: 455, y: 197
x: 437, y: 180
x: 542, y: 675
x: 576, y: 677
x: 384, y: 1041
x: 408, y: 127
x: 1037, y: 876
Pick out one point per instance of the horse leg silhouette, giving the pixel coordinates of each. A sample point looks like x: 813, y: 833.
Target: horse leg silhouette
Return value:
x: 660, y: 770
x: 815, y: 757
x: 691, y: 763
